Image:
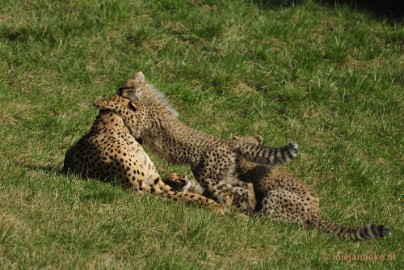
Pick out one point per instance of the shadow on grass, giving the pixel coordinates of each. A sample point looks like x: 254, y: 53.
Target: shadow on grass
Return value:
x: 48, y: 169
x: 58, y: 171
x: 100, y: 195
x: 389, y: 10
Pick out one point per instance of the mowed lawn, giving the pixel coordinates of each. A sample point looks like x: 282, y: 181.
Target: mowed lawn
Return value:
x: 327, y: 77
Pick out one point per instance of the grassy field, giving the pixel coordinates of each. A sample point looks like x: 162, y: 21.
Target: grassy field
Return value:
x: 328, y: 77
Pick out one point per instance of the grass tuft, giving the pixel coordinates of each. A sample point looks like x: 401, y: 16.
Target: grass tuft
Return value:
x: 326, y: 76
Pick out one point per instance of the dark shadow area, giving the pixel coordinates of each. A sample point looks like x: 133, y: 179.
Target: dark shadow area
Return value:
x: 58, y: 171
x: 46, y: 169
x: 389, y: 10
x: 99, y: 195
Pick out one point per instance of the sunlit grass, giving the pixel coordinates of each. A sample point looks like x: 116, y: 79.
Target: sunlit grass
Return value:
x: 328, y: 78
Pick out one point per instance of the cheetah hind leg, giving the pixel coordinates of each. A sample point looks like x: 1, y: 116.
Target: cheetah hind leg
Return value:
x: 285, y: 206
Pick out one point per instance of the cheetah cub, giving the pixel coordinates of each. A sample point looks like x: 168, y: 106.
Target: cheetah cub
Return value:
x: 212, y: 159
x: 109, y: 151
x: 284, y: 197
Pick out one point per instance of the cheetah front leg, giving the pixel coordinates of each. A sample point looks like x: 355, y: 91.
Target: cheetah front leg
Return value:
x: 244, y: 196
x: 221, y: 191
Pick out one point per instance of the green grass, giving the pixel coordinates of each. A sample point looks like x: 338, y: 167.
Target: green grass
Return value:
x: 329, y: 78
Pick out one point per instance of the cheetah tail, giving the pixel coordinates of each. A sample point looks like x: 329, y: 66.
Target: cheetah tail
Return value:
x: 166, y: 191
x: 365, y: 232
x: 195, y: 198
x: 268, y: 155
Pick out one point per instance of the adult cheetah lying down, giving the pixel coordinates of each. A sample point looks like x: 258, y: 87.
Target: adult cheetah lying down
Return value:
x: 283, y: 197
x: 110, y: 152
x: 212, y: 159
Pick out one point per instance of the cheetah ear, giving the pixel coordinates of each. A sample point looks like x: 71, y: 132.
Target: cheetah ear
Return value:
x: 139, y: 77
x: 234, y: 138
x: 259, y: 139
x: 135, y: 105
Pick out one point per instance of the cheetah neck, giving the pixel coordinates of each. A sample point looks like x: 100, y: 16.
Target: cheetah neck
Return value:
x: 156, y: 98
x: 175, y: 141
x: 168, y: 136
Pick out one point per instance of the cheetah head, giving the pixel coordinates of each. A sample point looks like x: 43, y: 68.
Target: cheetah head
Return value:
x: 134, y: 115
x: 134, y: 88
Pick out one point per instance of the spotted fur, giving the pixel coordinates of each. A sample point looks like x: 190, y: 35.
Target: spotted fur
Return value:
x: 110, y: 152
x: 212, y: 159
x: 283, y: 197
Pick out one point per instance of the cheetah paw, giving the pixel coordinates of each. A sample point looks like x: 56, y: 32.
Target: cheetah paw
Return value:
x: 186, y: 186
x: 99, y: 102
